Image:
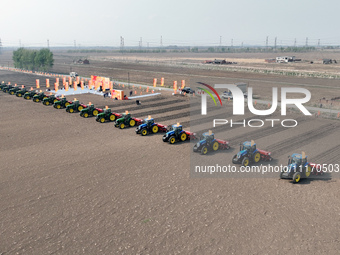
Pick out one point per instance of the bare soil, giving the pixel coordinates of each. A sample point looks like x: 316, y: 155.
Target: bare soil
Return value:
x: 70, y: 185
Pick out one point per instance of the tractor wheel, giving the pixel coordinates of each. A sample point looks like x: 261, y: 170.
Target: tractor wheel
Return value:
x: 112, y: 117
x: 19, y: 95
x: 55, y: 100
x: 132, y: 123
x: 215, y: 146
x: 102, y: 120
x: 85, y: 115
x: 183, y: 137
x: 257, y: 157
x: 144, y: 132
x: 121, y: 126
x: 296, y: 177
x: 245, y: 161
x: 71, y: 110
x: 12, y: 93
x: 172, y: 140
x: 45, y: 97
x: 308, y: 171
x: 36, y: 100
x: 47, y: 103
x: 204, y: 150
x: 80, y: 107
x: 28, y: 97
x: 235, y: 161
x: 58, y: 106
x: 155, y: 129
x: 67, y: 104
x: 95, y: 112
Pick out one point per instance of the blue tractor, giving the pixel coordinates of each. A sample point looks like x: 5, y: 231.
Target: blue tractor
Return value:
x: 150, y: 127
x: 297, y: 168
x: 208, y: 142
x: 176, y: 133
x: 249, y: 153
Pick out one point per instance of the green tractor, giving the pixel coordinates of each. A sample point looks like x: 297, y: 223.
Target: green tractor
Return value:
x: 90, y: 111
x: 6, y: 88
x: 62, y: 103
x: 14, y: 90
x: 107, y: 115
x: 75, y: 106
x: 21, y: 92
x: 127, y: 121
x: 2, y: 85
x: 39, y: 97
x: 50, y: 100
x: 30, y: 94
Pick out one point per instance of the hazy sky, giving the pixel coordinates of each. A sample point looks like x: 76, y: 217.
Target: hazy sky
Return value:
x: 179, y: 22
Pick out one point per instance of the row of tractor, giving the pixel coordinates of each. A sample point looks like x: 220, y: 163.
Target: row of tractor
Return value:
x: 297, y: 166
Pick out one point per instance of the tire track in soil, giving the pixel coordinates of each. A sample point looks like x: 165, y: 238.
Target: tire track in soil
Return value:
x: 300, y: 140
x: 121, y: 106
x: 260, y: 133
x: 141, y: 107
x: 328, y: 156
x: 158, y: 111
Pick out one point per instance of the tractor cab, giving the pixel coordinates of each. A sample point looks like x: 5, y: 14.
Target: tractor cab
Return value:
x: 177, y: 129
x: 149, y: 122
x: 246, y: 146
x: 208, y: 137
x: 107, y: 110
x: 297, y: 159
x: 126, y: 116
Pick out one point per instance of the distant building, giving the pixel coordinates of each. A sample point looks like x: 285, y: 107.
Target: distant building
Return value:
x: 285, y: 59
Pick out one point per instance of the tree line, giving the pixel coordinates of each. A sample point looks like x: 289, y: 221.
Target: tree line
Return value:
x: 41, y: 60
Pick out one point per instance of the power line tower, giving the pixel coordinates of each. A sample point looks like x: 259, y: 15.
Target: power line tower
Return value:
x: 319, y: 43
x: 295, y: 42
x: 306, y: 41
x: 266, y: 43
x: 48, y: 43
x: 275, y: 43
x: 121, y: 43
x: 161, y: 41
x: 140, y: 43
x: 0, y: 47
x: 75, y: 44
x: 220, y: 41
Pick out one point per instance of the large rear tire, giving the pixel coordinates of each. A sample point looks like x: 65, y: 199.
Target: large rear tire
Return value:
x: 112, y: 117
x: 215, y: 146
x: 85, y: 115
x: 184, y: 137
x: 308, y: 171
x: 155, y: 129
x: 95, y: 112
x: 257, y: 157
x: 80, y: 107
x: 132, y: 123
